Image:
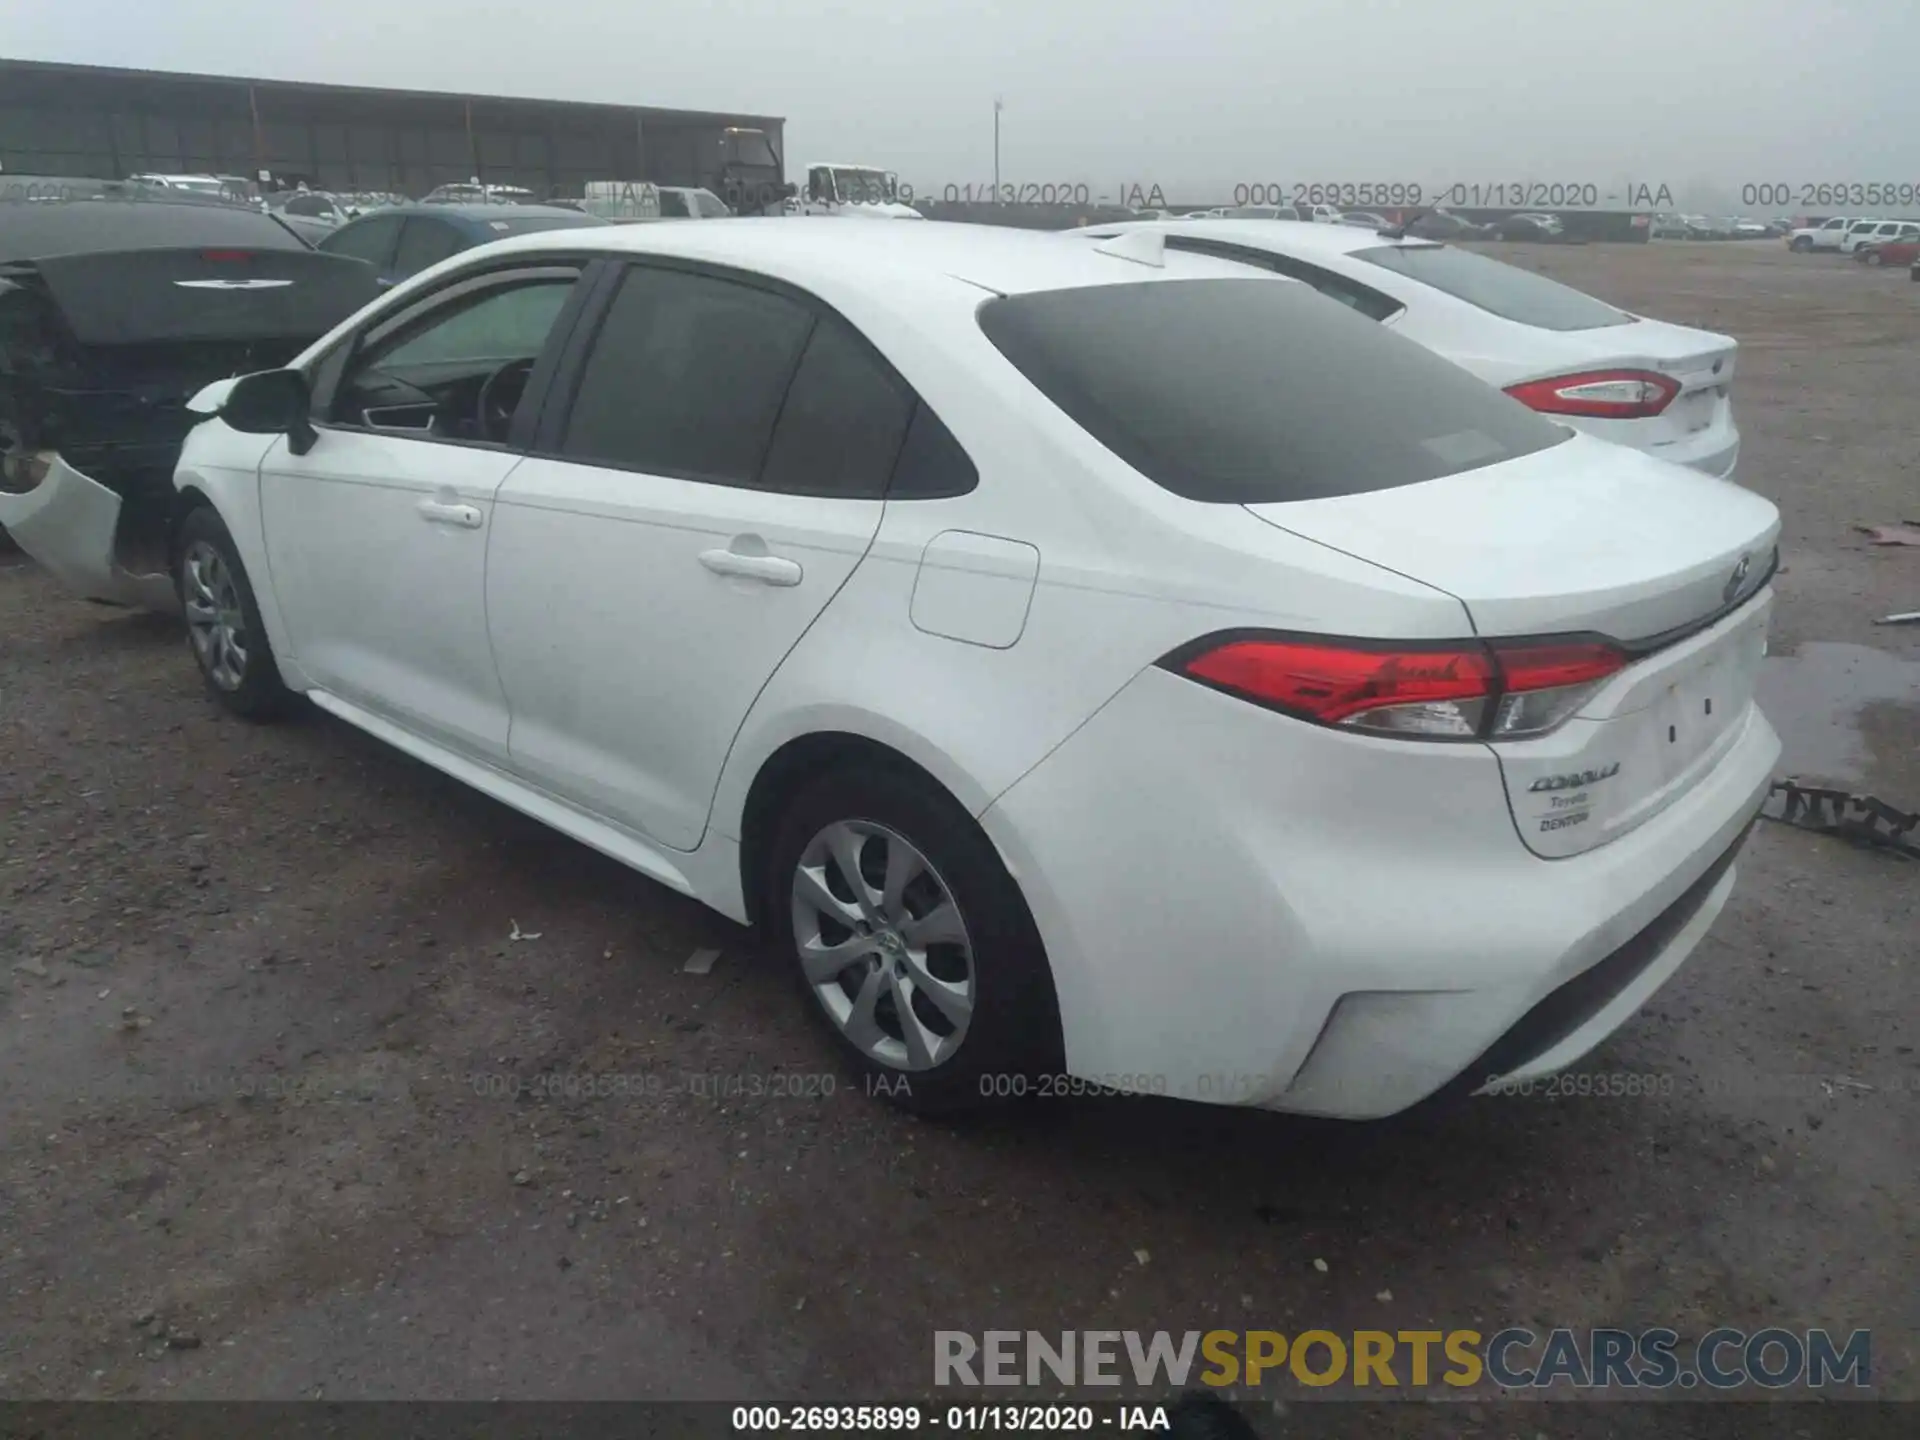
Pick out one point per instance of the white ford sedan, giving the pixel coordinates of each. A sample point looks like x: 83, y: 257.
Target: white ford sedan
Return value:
x: 1081, y: 660
x: 1666, y: 389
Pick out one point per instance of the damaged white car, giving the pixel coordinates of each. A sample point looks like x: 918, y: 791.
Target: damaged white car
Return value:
x: 115, y: 308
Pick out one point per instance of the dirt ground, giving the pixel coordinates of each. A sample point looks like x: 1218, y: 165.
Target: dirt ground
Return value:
x: 272, y: 1118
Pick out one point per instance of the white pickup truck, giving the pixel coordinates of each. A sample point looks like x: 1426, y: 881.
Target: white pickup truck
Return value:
x: 1827, y: 235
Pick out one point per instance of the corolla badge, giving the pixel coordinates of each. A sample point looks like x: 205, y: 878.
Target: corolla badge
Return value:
x: 233, y: 284
x: 1737, y: 579
x: 1577, y: 780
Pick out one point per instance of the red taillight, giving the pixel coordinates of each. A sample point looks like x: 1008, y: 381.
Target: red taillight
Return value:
x: 1463, y: 691
x: 225, y: 256
x: 1330, y: 684
x: 1601, y: 394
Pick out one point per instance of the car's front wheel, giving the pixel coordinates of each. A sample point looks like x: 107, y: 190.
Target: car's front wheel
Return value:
x: 1800, y: 243
x: 1873, y: 257
x: 912, y: 941
x: 223, y: 619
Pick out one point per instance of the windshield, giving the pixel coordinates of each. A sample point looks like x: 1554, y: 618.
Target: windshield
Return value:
x: 1256, y: 391
x: 1503, y: 290
x: 750, y: 147
x: 863, y: 187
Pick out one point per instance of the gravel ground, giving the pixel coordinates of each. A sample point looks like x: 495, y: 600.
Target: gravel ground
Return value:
x: 271, y: 1122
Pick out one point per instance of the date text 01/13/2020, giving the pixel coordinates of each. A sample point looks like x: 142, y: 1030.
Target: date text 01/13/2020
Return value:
x: 954, y: 1419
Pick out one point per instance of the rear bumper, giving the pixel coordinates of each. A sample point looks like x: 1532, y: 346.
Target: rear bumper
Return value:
x: 69, y: 523
x: 1247, y: 910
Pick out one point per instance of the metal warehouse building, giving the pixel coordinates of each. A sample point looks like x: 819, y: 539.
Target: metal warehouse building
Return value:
x: 84, y: 120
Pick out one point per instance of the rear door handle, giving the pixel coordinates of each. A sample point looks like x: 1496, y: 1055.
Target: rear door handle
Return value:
x: 437, y: 512
x: 769, y: 569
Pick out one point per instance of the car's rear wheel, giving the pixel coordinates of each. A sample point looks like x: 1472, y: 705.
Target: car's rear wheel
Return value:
x: 911, y: 941
x: 223, y: 619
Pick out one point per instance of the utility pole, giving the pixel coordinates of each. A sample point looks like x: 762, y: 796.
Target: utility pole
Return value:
x: 996, y: 149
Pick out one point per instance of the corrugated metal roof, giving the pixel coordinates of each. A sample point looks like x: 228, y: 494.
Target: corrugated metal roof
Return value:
x: 120, y: 74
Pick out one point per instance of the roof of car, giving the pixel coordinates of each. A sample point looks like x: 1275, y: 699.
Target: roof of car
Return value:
x: 806, y: 250
x: 1292, y: 236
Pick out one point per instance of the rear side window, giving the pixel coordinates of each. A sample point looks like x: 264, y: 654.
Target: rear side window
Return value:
x: 1256, y: 392
x: 1503, y: 290
x: 844, y: 418
x: 686, y: 377
x: 368, y: 240
x: 932, y: 464
x: 426, y: 242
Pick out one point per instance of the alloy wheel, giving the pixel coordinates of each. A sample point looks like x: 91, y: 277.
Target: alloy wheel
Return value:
x: 215, y: 622
x: 883, y: 945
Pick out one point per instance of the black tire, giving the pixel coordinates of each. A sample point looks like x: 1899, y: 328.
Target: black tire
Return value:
x: 1013, y: 1033
x: 259, y: 693
x: 1800, y: 243
x: 1874, y: 257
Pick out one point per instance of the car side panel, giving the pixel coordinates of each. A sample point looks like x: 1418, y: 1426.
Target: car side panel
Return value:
x: 223, y: 465
x: 1126, y: 572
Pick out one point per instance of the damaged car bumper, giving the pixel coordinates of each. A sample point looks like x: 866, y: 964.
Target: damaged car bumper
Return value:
x: 69, y: 522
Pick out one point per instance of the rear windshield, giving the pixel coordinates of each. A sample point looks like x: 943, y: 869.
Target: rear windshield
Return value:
x: 32, y: 230
x: 1505, y: 290
x: 1256, y: 391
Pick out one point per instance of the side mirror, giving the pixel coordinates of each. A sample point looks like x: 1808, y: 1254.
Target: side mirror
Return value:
x: 272, y: 402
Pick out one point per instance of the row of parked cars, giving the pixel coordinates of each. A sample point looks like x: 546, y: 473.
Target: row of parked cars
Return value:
x: 988, y: 615
x: 1710, y: 227
x: 1868, y: 239
x: 1431, y: 224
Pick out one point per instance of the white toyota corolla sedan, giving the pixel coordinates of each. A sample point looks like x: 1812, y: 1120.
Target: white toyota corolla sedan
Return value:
x: 1666, y: 389
x: 1085, y: 661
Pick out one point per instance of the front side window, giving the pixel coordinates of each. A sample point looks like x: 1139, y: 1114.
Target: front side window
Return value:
x: 686, y: 377
x: 1256, y: 391
x: 456, y: 368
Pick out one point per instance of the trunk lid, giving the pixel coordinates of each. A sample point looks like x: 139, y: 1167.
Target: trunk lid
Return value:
x: 204, y: 294
x: 1589, y: 537
x: 1581, y: 536
x: 1699, y: 361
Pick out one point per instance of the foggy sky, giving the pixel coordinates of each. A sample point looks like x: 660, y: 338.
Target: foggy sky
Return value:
x: 1197, y: 96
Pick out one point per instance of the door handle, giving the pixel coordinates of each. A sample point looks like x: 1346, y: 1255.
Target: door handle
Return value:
x: 768, y: 569
x: 437, y: 512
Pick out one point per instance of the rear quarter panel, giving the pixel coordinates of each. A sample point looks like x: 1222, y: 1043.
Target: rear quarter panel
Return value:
x: 1127, y: 572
